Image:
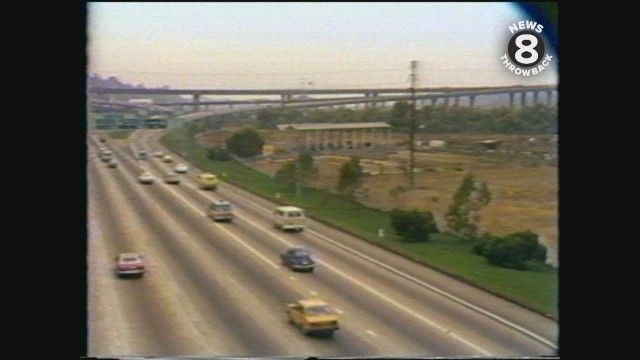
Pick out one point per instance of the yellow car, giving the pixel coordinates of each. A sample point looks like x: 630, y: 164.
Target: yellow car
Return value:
x: 313, y: 316
x: 207, y: 181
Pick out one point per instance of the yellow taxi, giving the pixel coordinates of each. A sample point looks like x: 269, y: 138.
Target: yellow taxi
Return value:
x: 313, y: 316
x: 207, y: 181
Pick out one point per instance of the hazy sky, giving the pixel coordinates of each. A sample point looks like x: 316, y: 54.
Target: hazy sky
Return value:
x: 314, y: 45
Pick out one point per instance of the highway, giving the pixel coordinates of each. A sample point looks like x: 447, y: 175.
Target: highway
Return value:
x: 218, y: 289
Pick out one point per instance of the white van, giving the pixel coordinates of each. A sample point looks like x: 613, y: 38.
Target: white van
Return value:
x: 289, y: 218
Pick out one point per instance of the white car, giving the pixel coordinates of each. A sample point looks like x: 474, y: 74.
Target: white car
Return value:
x: 167, y: 159
x: 146, y: 178
x: 181, y: 168
x: 172, y: 178
x: 130, y: 264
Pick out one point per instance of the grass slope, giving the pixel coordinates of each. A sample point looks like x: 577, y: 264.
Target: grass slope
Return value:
x: 536, y: 288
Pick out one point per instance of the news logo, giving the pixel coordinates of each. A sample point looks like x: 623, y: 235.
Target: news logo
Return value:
x: 526, y: 52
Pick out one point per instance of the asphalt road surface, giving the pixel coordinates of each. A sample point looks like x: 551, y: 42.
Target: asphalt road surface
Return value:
x: 219, y: 289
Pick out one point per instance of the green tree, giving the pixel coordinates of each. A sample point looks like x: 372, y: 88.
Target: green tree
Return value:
x: 245, y: 142
x: 267, y: 118
x: 470, y: 197
x: 400, y: 114
x: 350, y: 176
x: 413, y: 225
x: 298, y: 172
x: 287, y: 172
x: 511, y: 251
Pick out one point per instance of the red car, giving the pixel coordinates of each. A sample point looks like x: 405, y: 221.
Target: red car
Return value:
x: 130, y: 264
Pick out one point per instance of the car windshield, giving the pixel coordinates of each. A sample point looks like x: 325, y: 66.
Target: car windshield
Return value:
x: 130, y: 259
x: 319, y: 310
x: 299, y: 252
x: 224, y: 207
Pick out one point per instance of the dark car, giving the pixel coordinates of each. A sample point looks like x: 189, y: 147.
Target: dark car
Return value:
x: 298, y: 258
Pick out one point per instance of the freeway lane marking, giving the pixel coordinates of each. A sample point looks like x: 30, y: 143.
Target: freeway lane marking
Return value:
x: 400, y: 273
x: 377, y: 293
x: 230, y: 234
x: 441, y: 292
x: 420, y: 282
x: 348, y: 277
x: 406, y: 309
x: 370, y: 332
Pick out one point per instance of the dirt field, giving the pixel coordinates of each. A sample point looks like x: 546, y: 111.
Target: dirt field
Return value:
x: 521, y: 174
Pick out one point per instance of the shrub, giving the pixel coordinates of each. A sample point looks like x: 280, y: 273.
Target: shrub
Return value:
x: 413, y: 225
x: 218, y: 154
x: 510, y: 251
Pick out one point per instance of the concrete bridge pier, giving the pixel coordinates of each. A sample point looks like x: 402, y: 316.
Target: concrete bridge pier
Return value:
x: 434, y: 100
x: 511, y: 96
x: 284, y: 98
x: 535, y: 97
x: 456, y: 101
x: 196, y: 99
x: 472, y: 100
x: 549, y: 93
x: 523, y: 98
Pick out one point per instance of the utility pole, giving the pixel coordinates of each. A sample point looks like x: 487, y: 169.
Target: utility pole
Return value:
x: 412, y: 125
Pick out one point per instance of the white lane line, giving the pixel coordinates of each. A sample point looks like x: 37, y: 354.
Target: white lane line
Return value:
x: 407, y: 276
x: 229, y: 233
x: 339, y: 311
x: 370, y: 332
x: 368, y: 288
x: 291, y: 278
x: 439, y: 291
x: 405, y: 309
x: 420, y: 282
x: 375, y: 292
x: 313, y: 293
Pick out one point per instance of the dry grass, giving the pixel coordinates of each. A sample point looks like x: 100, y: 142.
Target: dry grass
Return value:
x: 524, y: 187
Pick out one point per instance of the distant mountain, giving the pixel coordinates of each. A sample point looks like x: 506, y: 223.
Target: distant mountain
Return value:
x: 96, y: 80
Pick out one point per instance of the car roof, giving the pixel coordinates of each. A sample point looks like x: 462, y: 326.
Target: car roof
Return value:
x: 298, y: 247
x: 312, y: 302
x: 289, y: 208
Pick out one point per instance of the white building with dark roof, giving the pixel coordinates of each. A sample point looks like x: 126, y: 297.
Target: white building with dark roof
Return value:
x: 321, y: 136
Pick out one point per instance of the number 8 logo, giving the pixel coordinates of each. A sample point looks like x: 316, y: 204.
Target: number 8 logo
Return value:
x: 526, y: 55
x: 526, y: 49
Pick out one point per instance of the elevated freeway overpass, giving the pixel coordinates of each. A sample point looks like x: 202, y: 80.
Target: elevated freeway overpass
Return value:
x: 371, y: 96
